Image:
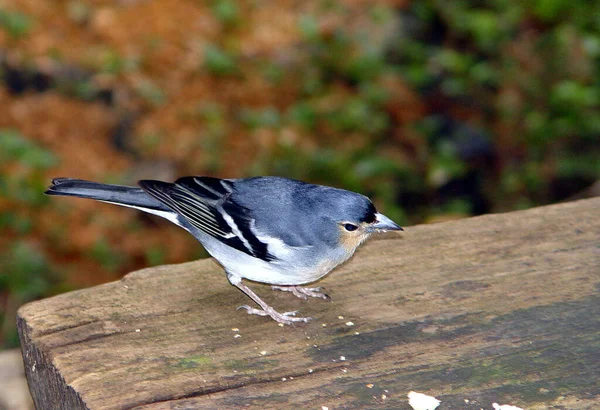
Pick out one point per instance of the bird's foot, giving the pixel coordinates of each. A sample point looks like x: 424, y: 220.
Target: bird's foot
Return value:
x: 286, y: 318
x: 303, y: 293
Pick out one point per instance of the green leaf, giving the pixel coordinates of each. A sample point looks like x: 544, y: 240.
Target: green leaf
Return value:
x: 219, y: 62
x: 15, y: 23
x: 227, y: 12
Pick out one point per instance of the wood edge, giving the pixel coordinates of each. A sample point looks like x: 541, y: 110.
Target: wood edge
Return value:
x: 47, y: 387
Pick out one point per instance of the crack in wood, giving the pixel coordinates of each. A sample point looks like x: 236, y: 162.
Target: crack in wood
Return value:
x: 241, y: 385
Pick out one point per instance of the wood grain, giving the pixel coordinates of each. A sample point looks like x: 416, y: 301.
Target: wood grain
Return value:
x: 500, y: 308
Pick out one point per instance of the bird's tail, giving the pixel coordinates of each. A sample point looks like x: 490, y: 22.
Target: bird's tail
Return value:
x: 115, y: 194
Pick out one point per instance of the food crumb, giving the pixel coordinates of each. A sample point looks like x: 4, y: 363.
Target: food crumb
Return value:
x: 420, y: 401
x: 496, y: 406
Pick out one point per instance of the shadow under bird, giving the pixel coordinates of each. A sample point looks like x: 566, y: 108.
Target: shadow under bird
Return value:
x: 272, y: 230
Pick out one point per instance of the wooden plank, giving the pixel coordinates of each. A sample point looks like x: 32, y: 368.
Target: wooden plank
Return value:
x: 500, y: 308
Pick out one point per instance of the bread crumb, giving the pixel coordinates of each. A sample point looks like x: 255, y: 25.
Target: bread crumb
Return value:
x: 420, y: 401
x: 496, y: 406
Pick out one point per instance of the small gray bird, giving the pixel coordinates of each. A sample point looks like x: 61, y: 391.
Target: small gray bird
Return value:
x: 272, y: 230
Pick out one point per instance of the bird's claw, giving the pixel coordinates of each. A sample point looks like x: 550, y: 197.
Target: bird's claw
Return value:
x: 287, y: 318
x: 303, y: 293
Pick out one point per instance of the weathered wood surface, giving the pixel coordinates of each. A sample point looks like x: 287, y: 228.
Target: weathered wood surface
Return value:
x: 500, y: 308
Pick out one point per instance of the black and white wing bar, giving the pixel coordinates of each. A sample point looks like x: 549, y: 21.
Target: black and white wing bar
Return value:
x: 206, y: 204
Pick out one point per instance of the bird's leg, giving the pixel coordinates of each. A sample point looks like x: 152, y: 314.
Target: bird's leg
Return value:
x: 286, y: 317
x: 303, y: 293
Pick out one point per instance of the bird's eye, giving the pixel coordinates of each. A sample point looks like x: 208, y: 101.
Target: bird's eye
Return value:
x: 350, y: 227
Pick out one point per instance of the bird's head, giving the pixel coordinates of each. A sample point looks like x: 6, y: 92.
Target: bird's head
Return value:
x: 357, y: 218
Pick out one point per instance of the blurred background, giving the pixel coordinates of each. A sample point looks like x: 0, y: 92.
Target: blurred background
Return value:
x: 435, y: 109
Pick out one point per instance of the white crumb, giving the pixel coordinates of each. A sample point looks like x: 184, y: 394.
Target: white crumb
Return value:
x: 497, y: 406
x: 420, y: 401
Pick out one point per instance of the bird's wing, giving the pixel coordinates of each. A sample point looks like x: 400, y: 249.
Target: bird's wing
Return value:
x: 206, y: 204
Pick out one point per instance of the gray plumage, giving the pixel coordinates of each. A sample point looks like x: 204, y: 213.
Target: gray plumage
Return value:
x: 266, y: 229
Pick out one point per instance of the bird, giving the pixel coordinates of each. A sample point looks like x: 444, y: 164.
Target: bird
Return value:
x: 267, y: 229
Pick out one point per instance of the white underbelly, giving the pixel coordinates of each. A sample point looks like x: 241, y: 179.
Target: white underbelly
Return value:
x: 279, y: 272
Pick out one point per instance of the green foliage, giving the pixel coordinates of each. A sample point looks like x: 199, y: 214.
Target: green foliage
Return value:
x: 24, y: 271
x: 445, y: 165
x: 110, y: 259
x: 265, y: 118
x: 214, y: 130
x: 356, y: 114
x: 542, y: 84
x: 155, y: 256
x: 150, y: 92
x: 84, y: 89
x: 79, y: 11
x: 304, y: 114
x: 273, y: 72
x: 25, y: 183
x: 15, y: 23
x: 107, y: 60
x: 549, y: 108
x: 25, y: 275
x: 309, y: 27
x: 227, y: 12
x: 14, y: 147
x: 220, y: 62
x: 19, y: 223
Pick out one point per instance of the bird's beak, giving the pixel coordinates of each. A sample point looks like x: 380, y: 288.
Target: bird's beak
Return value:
x: 383, y: 223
